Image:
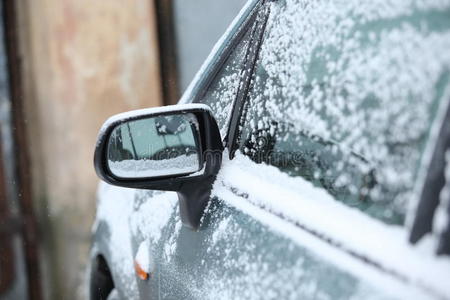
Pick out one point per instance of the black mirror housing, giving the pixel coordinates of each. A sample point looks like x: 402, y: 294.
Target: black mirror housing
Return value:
x: 193, y: 188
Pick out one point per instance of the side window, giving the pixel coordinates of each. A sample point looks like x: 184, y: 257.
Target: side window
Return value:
x: 223, y: 89
x: 346, y: 101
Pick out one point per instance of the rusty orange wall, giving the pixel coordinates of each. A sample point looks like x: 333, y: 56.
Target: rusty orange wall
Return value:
x: 83, y: 60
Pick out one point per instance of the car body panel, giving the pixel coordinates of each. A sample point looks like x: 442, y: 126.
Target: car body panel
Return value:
x: 263, y: 235
x: 112, y: 236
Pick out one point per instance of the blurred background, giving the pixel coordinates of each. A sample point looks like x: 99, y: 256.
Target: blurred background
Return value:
x: 65, y: 66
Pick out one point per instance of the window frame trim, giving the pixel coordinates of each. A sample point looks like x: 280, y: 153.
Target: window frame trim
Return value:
x: 242, y: 95
x: 421, y: 214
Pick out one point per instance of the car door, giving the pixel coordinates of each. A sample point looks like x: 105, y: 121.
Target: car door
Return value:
x: 277, y: 231
x: 219, y: 88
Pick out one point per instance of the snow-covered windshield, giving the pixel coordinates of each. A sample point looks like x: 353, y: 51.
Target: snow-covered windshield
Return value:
x: 344, y: 95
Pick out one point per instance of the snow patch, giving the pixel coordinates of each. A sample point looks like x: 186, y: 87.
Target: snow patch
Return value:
x: 149, y: 219
x: 220, y: 231
x: 171, y: 245
x: 153, y: 168
x: 143, y: 258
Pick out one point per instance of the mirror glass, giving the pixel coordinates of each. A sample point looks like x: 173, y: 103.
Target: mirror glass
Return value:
x: 163, y: 145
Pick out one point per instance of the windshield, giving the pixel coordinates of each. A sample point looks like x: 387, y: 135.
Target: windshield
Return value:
x: 346, y: 100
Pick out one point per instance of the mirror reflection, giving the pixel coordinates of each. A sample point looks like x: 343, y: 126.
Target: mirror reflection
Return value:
x: 156, y: 146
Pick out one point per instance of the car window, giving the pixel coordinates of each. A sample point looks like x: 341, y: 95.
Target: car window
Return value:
x: 344, y: 94
x: 223, y: 89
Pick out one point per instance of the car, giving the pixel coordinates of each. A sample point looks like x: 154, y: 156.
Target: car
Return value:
x: 308, y: 159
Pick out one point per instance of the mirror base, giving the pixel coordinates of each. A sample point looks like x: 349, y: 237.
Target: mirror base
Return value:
x: 193, y: 200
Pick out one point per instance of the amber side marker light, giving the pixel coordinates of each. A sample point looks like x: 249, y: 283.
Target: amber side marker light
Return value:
x: 140, y: 272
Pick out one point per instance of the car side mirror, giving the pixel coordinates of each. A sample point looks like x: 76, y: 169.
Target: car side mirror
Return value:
x: 172, y: 148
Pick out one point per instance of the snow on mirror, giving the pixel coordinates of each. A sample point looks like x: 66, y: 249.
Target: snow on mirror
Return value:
x: 156, y: 146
